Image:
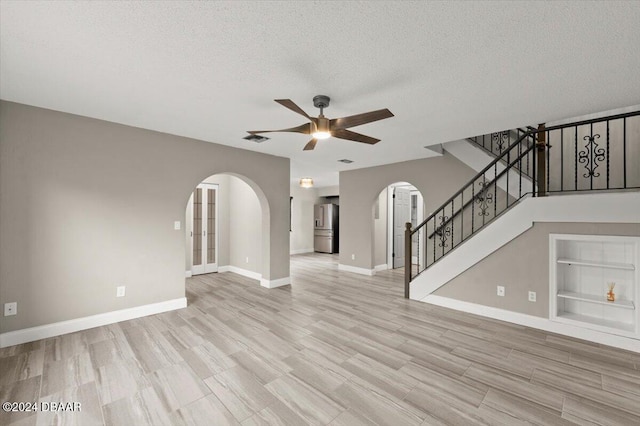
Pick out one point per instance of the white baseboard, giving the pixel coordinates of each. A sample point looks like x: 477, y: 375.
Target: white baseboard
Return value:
x: 188, y: 274
x: 382, y: 267
x: 256, y: 276
x: 64, y: 327
x: 301, y: 251
x: 275, y: 283
x: 240, y: 271
x: 536, y: 322
x: 356, y: 270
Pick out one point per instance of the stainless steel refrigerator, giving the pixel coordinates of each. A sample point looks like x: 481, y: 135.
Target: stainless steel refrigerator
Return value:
x: 325, y: 235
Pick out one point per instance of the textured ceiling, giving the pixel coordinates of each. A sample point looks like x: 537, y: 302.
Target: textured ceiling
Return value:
x: 210, y: 70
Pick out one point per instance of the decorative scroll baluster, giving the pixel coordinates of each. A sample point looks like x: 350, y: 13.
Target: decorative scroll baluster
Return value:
x: 484, y: 197
x: 591, y: 155
x: 444, y: 231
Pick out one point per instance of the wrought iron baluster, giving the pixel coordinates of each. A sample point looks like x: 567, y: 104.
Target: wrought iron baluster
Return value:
x: 495, y: 189
x: 575, y: 160
x: 624, y: 152
x: 473, y: 197
x: 548, y: 158
x: 453, y: 225
x: 607, y: 154
x: 561, y: 159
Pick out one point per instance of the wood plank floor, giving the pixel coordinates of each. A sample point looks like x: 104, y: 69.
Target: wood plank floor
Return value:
x: 333, y: 348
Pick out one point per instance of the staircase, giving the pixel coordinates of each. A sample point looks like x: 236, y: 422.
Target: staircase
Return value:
x: 592, y: 155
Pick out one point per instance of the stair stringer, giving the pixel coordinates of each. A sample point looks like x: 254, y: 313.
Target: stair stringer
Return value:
x: 616, y: 207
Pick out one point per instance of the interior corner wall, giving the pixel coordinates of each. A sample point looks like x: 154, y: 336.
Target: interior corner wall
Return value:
x: 245, y: 227
x: 301, y: 235
x: 87, y: 205
x: 380, y: 233
x: 522, y: 265
x: 437, y: 178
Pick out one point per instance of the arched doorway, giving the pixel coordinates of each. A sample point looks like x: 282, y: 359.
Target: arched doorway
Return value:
x: 396, y: 204
x: 227, y: 228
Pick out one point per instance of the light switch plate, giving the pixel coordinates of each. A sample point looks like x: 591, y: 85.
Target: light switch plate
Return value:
x: 176, y: 225
x: 501, y: 291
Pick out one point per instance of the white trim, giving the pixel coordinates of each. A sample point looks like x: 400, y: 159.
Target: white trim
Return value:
x: 301, y: 251
x: 356, y: 270
x: 275, y: 283
x: 389, y: 227
x: 382, y: 267
x: 240, y: 271
x: 563, y: 208
x: 63, y: 327
x: 188, y: 274
x: 536, y: 322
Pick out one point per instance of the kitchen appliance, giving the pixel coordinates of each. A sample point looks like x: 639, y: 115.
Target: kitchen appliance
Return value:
x: 325, y: 234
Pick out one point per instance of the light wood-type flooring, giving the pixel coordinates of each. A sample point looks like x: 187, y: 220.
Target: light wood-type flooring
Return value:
x: 333, y: 348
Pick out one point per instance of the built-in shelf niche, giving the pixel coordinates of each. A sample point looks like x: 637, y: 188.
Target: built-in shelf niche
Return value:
x: 581, y: 266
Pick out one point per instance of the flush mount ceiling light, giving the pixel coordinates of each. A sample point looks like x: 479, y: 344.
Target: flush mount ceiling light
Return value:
x: 306, y: 182
x: 322, y: 128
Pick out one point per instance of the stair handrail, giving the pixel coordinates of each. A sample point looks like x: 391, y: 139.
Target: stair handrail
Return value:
x: 540, y: 144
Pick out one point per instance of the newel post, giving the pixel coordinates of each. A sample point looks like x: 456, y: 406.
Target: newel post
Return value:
x: 407, y: 259
x: 541, y: 146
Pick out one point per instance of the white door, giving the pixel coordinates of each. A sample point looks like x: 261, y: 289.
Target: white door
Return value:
x: 417, y: 216
x: 204, y: 234
x: 401, y: 215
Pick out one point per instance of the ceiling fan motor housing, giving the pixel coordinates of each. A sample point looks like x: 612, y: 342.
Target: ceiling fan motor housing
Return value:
x: 321, y: 101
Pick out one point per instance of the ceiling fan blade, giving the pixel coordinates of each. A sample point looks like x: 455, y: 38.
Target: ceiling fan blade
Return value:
x: 353, y: 136
x: 303, y: 128
x: 360, y: 119
x: 310, y: 145
x: 288, y: 103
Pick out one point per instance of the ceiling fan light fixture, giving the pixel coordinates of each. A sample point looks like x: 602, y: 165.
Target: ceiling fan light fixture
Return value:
x: 321, y: 135
x: 322, y: 129
x: 306, y: 182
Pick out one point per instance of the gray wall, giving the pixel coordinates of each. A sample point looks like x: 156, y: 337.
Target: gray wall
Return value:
x: 301, y: 236
x: 380, y: 226
x: 436, y: 178
x: 245, y: 227
x: 521, y: 266
x: 87, y: 205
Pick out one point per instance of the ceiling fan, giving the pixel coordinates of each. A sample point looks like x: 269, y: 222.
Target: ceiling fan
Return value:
x: 323, y: 128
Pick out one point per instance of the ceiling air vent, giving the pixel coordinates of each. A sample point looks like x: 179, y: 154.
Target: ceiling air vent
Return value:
x: 345, y: 161
x: 256, y: 138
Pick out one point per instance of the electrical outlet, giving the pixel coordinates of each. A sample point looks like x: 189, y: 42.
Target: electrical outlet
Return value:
x: 10, y: 309
x: 501, y: 291
x: 353, y: 257
x: 247, y: 259
x: 532, y: 296
x: 120, y: 291
x: 176, y: 225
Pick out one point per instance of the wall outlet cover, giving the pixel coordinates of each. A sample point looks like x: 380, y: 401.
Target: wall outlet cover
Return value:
x: 120, y: 291
x: 353, y: 257
x: 10, y: 309
x: 176, y: 225
x: 532, y: 296
x: 500, y: 291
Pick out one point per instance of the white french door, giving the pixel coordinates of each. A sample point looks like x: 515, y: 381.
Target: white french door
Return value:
x: 204, y: 234
x: 401, y: 215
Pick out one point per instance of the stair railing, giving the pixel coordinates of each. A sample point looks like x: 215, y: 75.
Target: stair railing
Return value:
x: 546, y: 160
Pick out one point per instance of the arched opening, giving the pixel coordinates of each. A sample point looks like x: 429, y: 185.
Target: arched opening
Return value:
x: 227, y: 228
x: 395, y: 205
